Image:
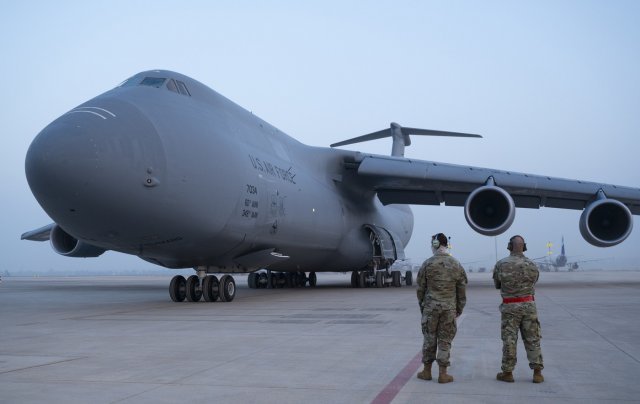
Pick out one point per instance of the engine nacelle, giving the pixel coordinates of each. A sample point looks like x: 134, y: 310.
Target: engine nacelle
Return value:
x: 606, y: 222
x: 489, y: 210
x: 65, y: 244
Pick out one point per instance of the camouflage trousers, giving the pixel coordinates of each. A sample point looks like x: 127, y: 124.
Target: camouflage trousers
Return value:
x: 438, y: 327
x: 521, y: 317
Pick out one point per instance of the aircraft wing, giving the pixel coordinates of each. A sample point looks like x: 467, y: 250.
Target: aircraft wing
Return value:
x: 490, y: 196
x: 583, y: 261
x: 402, y: 180
x: 41, y: 234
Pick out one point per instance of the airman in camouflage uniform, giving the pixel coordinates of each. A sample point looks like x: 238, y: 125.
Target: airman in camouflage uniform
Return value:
x: 442, y: 297
x: 516, y: 276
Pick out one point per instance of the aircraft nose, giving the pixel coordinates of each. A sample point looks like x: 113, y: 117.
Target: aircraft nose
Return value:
x: 85, y: 163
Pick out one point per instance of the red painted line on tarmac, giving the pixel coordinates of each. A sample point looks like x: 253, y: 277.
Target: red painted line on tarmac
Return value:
x: 392, y: 389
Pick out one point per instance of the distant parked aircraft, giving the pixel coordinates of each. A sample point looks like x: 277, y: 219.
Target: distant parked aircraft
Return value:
x: 548, y: 264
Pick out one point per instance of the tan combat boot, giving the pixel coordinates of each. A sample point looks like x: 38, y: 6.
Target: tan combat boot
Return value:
x: 443, y: 377
x: 537, y: 376
x: 505, y: 377
x: 426, y: 372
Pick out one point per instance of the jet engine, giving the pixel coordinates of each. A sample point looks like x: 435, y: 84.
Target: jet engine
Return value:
x: 489, y: 210
x: 65, y: 244
x: 606, y: 222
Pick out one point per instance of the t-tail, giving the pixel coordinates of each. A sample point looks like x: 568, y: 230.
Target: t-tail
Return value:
x: 400, y: 136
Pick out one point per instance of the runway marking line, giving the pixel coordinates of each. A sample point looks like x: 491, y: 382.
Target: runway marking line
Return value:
x: 392, y: 389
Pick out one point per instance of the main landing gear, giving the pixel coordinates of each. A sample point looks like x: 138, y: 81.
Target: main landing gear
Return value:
x: 380, y: 279
x: 272, y: 280
x: 194, y: 289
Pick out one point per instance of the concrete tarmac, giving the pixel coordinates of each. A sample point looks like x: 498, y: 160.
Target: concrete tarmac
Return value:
x: 121, y: 340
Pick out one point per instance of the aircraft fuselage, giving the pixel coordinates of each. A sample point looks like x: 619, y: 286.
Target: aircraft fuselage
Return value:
x: 190, y: 179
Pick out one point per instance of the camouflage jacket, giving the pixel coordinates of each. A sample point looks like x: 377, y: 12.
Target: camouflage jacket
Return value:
x: 442, y: 281
x: 515, y: 275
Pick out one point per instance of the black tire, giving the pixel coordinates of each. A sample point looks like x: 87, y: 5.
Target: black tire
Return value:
x: 354, y: 279
x: 262, y: 280
x: 396, y: 278
x: 302, y: 279
x: 313, y: 279
x: 281, y: 281
x: 177, y: 288
x: 408, y: 278
x: 362, y: 279
x: 288, y: 277
x: 210, y: 286
x: 227, y: 288
x: 379, y: 279
x: 252, y: 280
x: 194, y: 290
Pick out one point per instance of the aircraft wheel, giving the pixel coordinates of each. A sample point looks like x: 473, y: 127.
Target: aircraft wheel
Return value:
x: 210, y: 286
x: 288, y: 278
x: 313, y: 279
x: 263, y: 279
x: 252, y: 280
x: 362, y: 279
x: 281, y: 280
x: 194, y: 290
x: 227, y: 288
x: 302, y: 279
x: 354, y: 279
x: 408, y: 278
x: 396, y: 278
x: 379, y: 279
x: 177, y: 288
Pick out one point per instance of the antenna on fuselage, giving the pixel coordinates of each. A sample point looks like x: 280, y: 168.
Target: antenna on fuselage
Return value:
x: 400, y: 136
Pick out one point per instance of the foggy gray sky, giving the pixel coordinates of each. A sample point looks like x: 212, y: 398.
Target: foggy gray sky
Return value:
x: 553, y: 87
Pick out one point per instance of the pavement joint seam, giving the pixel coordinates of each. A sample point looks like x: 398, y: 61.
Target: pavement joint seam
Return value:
x: 592, y: 329
x: 42, y: 365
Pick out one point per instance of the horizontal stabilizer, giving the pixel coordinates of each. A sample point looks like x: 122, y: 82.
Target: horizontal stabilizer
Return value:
x: 41, y: 234
x: 400, y: 137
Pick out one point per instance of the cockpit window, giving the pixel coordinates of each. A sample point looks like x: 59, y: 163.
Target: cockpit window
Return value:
x: 177, y: 87
x: 183, y: 88
x: 171, y: 85
x: 153, y: 82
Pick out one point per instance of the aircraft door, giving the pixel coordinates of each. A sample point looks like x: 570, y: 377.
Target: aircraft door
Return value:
x: 397, y: 245
x: 386, y: 246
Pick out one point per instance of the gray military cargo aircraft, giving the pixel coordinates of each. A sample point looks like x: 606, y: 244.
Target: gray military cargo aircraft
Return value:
x: 548, y: 264
x: 167, y: 169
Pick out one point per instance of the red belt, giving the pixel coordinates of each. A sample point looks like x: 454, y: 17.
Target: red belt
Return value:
x: 520, y: 299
